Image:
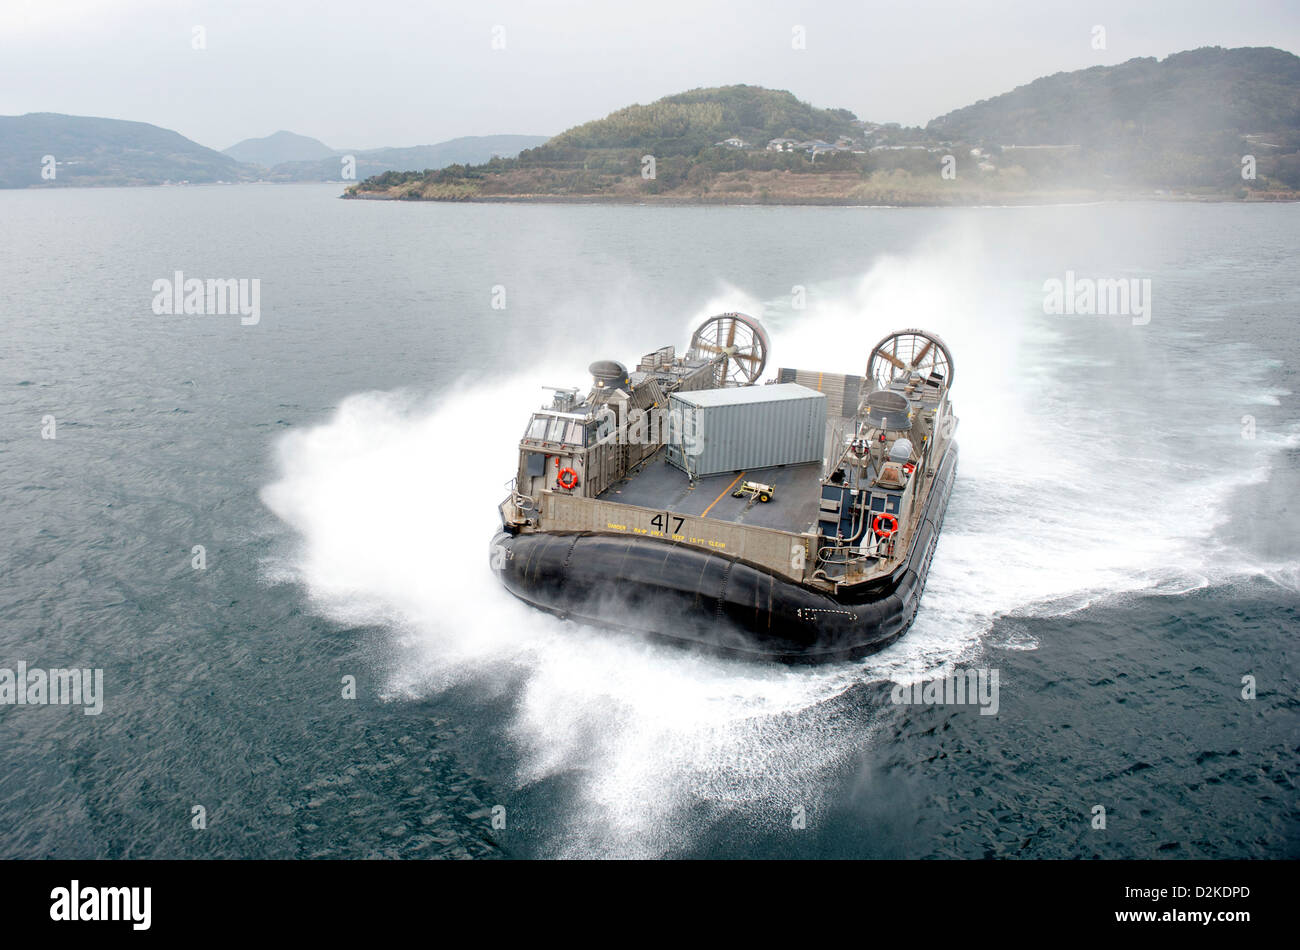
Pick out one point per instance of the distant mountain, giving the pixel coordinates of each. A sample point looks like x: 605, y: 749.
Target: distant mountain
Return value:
x: 277, y: 148
x: 93, y: 151
x: 1183, y: 99
x: 469, y: 150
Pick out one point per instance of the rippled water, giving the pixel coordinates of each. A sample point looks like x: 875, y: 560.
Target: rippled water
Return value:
x: 1115, y: 547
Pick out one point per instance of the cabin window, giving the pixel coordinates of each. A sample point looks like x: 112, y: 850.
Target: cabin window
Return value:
x: 557, y: 430
x: 575, y: 434
x: 537, y: 429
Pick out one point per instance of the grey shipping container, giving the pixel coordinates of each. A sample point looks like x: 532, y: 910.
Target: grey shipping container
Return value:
x: 747, y: 427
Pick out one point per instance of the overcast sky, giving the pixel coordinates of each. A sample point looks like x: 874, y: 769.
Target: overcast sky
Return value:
x: 366, y: 73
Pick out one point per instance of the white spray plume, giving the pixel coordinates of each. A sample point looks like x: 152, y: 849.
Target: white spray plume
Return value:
x: 393, y: 502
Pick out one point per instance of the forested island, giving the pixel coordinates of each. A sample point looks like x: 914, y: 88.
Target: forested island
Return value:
x: 1210, y: 124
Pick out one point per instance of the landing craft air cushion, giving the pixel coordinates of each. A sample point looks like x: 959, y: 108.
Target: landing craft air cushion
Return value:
x: 630, y: 507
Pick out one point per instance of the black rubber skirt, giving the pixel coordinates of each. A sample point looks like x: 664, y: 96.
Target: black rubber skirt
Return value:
x: 681, y: 593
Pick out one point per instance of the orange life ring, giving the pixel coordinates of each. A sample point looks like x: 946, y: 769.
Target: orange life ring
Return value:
x: 567, y: 479
x: 893, y: 525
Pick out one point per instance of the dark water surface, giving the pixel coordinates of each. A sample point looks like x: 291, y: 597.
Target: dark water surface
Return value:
x: 1117, y: 547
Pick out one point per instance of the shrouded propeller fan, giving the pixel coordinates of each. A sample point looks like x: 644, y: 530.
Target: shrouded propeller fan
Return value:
x: 737, y: 341
x: 910, y: 352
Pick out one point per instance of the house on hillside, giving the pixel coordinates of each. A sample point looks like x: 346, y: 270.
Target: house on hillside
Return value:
x: 781, y: 145
x: 733, y: 142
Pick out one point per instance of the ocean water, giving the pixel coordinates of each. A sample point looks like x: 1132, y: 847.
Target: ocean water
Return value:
x: 1121, y: 545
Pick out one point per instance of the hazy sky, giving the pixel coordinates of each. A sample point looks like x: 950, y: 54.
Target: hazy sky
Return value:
x: 365, y: 73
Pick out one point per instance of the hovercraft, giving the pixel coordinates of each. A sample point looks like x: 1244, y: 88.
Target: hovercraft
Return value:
x: 793, y: 519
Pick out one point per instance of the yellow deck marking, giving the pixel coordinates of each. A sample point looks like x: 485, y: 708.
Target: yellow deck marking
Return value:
x: 724, y: 491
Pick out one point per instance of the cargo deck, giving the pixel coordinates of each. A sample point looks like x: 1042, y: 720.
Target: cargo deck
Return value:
x: 656, y: 484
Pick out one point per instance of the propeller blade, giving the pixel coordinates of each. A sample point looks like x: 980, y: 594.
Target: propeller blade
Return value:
x: 891, y: 359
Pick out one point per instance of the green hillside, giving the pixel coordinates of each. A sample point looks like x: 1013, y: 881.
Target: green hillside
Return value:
x: 690, y: 121
x: 684, y: 133
x: 1209, y: 93
x: 1179, y: 126
x: 1184, y: 122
